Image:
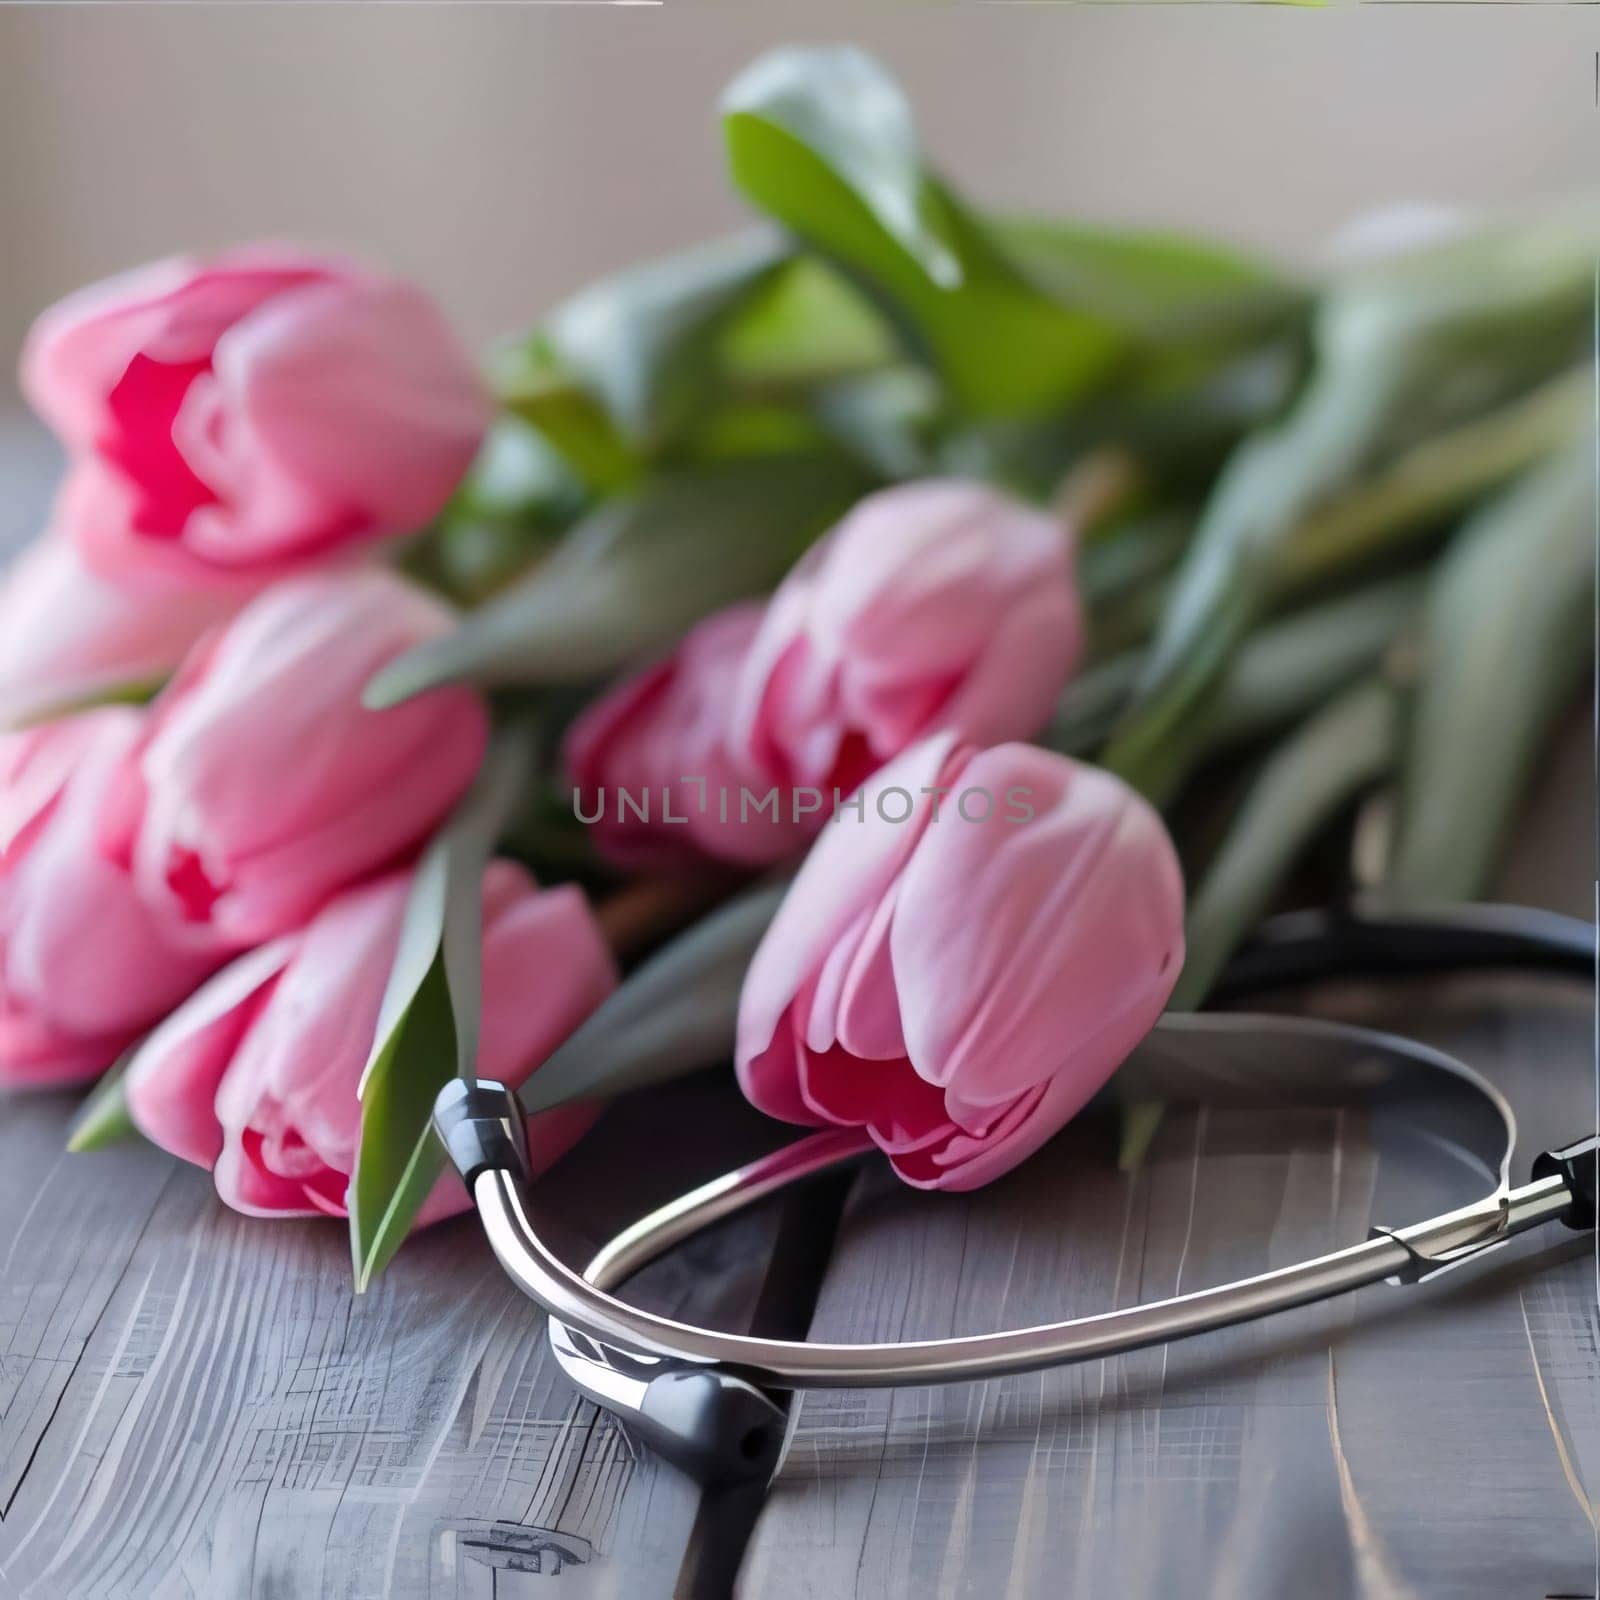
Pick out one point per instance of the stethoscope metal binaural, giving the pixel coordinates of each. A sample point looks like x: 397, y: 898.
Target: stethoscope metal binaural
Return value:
x: 697, y: 1395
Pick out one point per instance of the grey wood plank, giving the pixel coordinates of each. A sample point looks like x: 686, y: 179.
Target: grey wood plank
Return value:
x: 195, y: 1403
x: 67, y: 1246
x: 1441, y: 1441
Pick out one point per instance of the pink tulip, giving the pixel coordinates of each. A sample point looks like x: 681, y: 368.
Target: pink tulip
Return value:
x: 69, y: 636
x: 264, y: 406
x: 262, y: 785
x: 942, y: 605
x: 961, y: 986
x: 257, y: 1075
x: 35, y: 765
x: 85, y: 964
x: 657, y: 745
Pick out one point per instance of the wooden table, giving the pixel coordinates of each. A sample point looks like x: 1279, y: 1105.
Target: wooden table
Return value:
x: 194, y: 1403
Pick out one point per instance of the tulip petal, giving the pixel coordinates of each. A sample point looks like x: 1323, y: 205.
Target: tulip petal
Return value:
x: 260, y: 1072
x: 1015, y: 680
x: 896, y: 1106
x: 871, y: 641
x: 1025, y: 951
x: 255, y: 409
x: 245, y: 1180
x: 350, y: 408
x: 77, y: 941
x: 36, y: 1055
x: 68, y: 635
x: 173, y: 310
x: 659, y: 739
x: 548, y: 938
x: 267, y: 784
x: 849, y: 867
x: 172, y: 1081
x: 303, y: 1055
x: 34, y: 768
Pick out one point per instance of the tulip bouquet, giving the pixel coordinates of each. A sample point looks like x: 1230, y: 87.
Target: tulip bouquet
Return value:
x: 861, y: 630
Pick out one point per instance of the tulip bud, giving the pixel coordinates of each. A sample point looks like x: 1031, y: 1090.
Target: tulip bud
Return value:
x: 257, y: 1075
x: 263, y: 407
x: 940, y: 605
x: 651, y: 769
x: 962, y: 967
x: 69, y: 636
x: 86, y: 965
x: 262, y: 785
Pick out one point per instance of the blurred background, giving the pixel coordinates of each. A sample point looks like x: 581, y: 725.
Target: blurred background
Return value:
x: 504, y: 155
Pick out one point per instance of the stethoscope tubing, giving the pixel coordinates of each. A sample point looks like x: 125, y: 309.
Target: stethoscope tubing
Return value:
x: 697, y: 1394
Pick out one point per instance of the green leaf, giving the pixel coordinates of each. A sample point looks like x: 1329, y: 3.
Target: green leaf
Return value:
x: 1290, y: 667
x: 1507, y: 638
x: 103, y: 1118
x: 641, y: 341
x: 635, y: 573
x: 1431, y: 481
x: 532, y: 383
x: 518, y: 497
x: 674, y: 1014
x: 1286, y: 670
x: 1404, y: 352
x: 1163, y: 288
x: 518, y: 477
x: 803, y: 325
x: 1120, y: 564
x: 672, y: 355
x: 1307, y: 780
x: 429, y: 1021
x: 1176, y: 420
x: 884, y: 419
x: 822, y: 140
x: 1089, y: 708
x: 840, y: 105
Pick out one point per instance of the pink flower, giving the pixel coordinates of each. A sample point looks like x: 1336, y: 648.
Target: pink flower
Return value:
x: 265, y: 406
x: 35, y: 765
x: 85, y: 964
x: 651, y: 769
x: 960, y: 988
x: 68, y: 636
x: 262, y: 785
x: 257, y: 1075
x: 941, y: 605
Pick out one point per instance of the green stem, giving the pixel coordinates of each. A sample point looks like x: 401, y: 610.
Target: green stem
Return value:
x: 1331, y: 758
x: 1505, y: 642
x: 1433, y: 480
x: 1284, y: 673
x: 1422, y: 488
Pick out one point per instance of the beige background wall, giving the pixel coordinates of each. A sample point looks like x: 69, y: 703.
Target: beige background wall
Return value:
x: 503, y: 154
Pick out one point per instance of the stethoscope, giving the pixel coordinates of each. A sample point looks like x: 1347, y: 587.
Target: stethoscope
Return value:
x: 698, y: 1396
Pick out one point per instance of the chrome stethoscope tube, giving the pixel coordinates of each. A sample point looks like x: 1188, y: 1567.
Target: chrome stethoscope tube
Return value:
x: 584, y: 1303
x: 696, y: 1393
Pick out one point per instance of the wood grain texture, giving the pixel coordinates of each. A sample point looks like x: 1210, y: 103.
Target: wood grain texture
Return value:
x: 194, y: 1403
x: 1439, y: 1442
